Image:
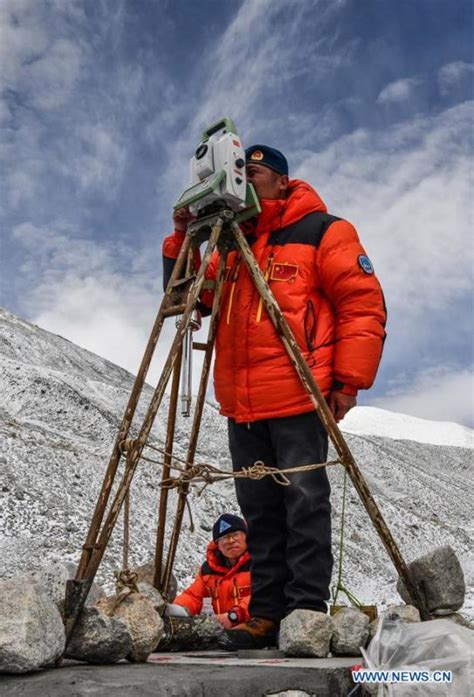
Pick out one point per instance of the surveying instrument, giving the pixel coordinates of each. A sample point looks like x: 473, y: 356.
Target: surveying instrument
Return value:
x: 221, y: 199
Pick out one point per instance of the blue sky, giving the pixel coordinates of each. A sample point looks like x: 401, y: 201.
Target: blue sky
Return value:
x: 371, y: 100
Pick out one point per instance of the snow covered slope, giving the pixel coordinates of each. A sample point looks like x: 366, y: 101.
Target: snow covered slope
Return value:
x: 60, y: 410
x: 389, y: 424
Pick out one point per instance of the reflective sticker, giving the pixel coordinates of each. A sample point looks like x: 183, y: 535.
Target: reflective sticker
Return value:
x: 223, y: 525
x: 365, y: 264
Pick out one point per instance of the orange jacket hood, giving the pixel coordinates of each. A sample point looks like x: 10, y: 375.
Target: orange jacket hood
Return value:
x: 213, y: 558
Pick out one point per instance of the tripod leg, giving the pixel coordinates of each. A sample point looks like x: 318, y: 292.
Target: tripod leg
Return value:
x: 163, y: 504
x: 309, y: 383
x: 134, y: 456
x: 127, y: 420
x: 196, y: 420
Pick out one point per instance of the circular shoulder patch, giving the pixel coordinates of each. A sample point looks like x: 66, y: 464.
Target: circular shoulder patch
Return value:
x: 365, y: 264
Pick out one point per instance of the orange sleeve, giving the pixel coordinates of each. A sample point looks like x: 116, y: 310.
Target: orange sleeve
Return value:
x: 350, y: 284
x: 243, y: 609
x: 170, y: 249
x: 191, y: 598
x: 172, y: 244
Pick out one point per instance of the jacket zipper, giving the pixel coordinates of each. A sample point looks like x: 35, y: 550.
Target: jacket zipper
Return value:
x: 265, y: 276
x: 232, y: 289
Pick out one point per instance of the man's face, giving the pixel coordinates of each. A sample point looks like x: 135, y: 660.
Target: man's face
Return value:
x: 267, y: 183
x: 233, y: 545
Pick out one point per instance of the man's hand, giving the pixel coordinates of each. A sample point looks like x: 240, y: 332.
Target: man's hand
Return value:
x: 340, y: 404
x: 224, y: 620
x: 181, y: 218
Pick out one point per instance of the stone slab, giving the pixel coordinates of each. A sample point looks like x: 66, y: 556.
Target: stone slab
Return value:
x: 181, y: 675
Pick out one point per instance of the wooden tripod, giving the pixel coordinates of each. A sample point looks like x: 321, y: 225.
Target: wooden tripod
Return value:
x: 180, y: 299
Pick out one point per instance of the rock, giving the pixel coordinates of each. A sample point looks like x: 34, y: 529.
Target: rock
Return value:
x: 53, y: 576
x: 199, y: 633
x: 457, y: 618
x: 146, y: 572
x: 98, y: 638
x: 291, y: 693
x: 31, y: 629
x: 440, y: 574
x: 407, y: 613
x: 351, y: 631
x: 306, y: 633
x: 143, y: 623
x: 154, y: 595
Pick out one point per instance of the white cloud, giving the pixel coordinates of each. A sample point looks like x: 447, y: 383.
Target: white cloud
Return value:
x: 99, y: 160
x: 439, y: 393
x: 94, y: 295
x: 453, y: 75
x: 408, y: 189
x: 399, y: 90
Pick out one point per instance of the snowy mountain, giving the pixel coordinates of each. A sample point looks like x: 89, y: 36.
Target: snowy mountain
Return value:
x: 60, y: 411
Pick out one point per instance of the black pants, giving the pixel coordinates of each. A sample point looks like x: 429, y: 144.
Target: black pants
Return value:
x: 289, y: 527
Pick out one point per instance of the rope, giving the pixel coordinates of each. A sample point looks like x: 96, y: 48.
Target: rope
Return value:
x: 207, y: 473
x: 126, y: 530
x: 125, y: 585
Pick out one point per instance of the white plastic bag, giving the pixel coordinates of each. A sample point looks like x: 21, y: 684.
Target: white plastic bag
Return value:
x: 437, y: 645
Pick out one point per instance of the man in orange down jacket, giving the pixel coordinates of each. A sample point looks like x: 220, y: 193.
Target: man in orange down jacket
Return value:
x: 325, y: 285
x: 224, y: 577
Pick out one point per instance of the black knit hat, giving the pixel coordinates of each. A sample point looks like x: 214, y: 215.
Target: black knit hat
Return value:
x: 227, y: 523
x: 268, y: 157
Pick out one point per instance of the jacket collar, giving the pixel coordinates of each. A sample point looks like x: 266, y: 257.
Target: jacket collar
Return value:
x: 278, y: 213
x: 216, y: 561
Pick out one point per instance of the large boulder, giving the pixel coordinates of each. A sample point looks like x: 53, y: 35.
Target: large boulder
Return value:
x: 98, y: 638
x: 53, y: 576
x: 146, y: 573
x: 306, y: 633
x: 441, y: 577
x: 143, y: 623
x: 199, y: 633
x: 159, y: 603
x: 351, y: 631
x: 31, y: 629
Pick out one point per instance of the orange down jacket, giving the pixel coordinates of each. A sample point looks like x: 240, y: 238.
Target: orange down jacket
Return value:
x: 228, y: 587
x: 324, y: 284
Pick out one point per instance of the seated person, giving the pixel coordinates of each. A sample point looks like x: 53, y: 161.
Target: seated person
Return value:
x: 224, y: 577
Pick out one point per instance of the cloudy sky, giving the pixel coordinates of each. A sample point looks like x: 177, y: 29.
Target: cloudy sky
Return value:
x: 371, y: 100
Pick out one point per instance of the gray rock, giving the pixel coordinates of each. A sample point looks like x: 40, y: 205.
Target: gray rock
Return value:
x: 53, y: 576
x: 457, y: 618
x: 146, y: 572
x: 407, y: 613
x: 351, y: 631
x: 143, y: 623
x: 98, y: 638
x: 199, y: 633
x: 31, y: 629
x: 306, y: 633
x: 440, y: 574
x: 291, y: 693
x: 159, y: 603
